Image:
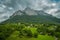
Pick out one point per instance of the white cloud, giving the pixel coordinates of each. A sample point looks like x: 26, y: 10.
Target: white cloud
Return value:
x: 53, y: 4
x: 51, y: 11
x: 10, y: 8
x: 3, y: 6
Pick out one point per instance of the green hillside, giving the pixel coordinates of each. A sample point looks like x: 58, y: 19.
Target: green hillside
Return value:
x: 27, y: 31
x: 32, y: 19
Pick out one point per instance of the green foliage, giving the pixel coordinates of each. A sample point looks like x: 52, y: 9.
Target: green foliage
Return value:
x: 57, y: 34
x: 5, y: 32
x: 26, y: 32
x: 42, y: 30
x: 29, y: 30
x: 20, y: 27
x: 36, y: 35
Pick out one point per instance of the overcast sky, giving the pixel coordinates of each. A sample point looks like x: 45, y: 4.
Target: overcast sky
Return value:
x: 7, y: 7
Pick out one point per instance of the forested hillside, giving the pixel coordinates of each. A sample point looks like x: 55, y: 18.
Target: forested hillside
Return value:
x: 27, y: 31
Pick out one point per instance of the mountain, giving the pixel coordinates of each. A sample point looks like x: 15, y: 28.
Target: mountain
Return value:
x: 32, y: 16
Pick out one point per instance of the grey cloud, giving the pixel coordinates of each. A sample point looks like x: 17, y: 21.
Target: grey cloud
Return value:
x: 7, y: 7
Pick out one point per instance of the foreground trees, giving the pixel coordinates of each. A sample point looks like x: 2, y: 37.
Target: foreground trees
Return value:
x: 24, y: 30
x: 5, y: 32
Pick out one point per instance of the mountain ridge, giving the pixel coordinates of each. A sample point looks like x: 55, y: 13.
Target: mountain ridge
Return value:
x: 27, y: 16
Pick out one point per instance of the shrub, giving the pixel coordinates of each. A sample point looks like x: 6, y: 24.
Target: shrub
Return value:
x: 36, y: 35
x: 57, y: 34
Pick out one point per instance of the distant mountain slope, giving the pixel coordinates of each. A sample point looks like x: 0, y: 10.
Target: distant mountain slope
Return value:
x: 32, y: 16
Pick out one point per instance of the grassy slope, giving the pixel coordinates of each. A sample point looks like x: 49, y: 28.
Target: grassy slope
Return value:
x: 15, y: 36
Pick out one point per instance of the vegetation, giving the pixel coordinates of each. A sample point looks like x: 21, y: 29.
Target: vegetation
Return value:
x: 27, y: 31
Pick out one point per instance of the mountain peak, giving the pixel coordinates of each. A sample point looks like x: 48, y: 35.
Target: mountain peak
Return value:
x: 29, y: 11
x: 28, y: 8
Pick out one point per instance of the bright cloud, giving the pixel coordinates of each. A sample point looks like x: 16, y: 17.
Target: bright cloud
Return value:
x: 51, y: 11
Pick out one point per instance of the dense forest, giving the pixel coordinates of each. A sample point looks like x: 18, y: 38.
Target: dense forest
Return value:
x: 29, y: 31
